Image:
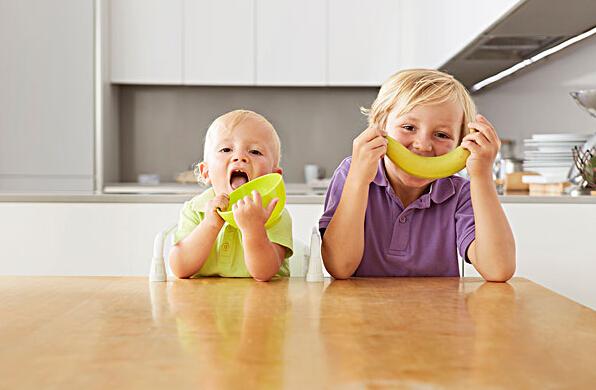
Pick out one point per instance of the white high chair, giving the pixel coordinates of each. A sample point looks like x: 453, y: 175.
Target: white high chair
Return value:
x: 306, y: 262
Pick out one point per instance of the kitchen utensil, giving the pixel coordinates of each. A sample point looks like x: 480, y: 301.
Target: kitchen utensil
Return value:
x: 313, y: 172
x: 586, y: 99
x: 270, y: 186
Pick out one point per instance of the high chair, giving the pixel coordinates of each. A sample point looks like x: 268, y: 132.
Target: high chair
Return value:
x: 306, y: 262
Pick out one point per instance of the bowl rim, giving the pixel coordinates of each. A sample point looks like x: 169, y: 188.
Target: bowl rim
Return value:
x: 276, y: 175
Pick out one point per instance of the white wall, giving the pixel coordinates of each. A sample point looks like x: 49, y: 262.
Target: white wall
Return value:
x: 538, y: 101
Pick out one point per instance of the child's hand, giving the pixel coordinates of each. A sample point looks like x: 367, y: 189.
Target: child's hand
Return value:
x: 367, y: 150
x: 249, y: 212
x: 483, y: 146
x: 220, y: 202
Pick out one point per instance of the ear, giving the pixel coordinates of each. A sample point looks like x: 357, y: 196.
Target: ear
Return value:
x: 277, y: 170
x: 204, y: 172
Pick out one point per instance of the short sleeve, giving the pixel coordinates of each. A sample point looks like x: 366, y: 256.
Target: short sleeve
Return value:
x: 281, y: 233
x: 188, y: 220
x: 333, y: 195
x: 465, y: 227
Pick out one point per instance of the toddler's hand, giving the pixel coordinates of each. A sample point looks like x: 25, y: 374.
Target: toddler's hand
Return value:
x: 220, y: 202
x: 483, y: 146
x: 367, y: 150
x: 249, y: 212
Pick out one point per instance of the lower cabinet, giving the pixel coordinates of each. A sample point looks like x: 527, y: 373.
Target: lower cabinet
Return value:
x: 554, y: 241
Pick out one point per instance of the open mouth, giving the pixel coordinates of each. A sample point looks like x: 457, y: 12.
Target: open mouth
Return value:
x: 237, y: 178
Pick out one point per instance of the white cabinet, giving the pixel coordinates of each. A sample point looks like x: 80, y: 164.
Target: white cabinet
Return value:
x: 219, y: 42
x: 435, y: 30
x: 146, y: 41
x: 364, y: 41
x: 553, y: 240
x: 46, y: 95
x: 291, y: 42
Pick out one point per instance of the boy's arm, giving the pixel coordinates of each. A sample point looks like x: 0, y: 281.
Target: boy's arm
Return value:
x: 262, y: 257
x: 493, y: 251
x: 343, y: 241
x: 188, y: 256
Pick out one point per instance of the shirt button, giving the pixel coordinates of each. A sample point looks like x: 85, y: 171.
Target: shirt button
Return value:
x: 403, y: 219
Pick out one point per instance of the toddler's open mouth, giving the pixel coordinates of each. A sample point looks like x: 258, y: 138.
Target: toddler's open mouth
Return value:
x: 237, y: 178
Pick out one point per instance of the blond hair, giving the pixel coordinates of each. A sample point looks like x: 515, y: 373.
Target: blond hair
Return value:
x: 409, y: 88
x: 230, y: 120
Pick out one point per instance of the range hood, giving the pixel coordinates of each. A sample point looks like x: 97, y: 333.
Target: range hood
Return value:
x: 526, y: 30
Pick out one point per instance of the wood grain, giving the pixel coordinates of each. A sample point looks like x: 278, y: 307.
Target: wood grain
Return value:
x: 65, y: 332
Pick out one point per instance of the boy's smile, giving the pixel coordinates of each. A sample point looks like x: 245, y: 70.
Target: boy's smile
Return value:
x: 239, y: 155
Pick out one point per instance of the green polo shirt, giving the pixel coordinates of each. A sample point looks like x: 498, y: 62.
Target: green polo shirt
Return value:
x: 227, y: 254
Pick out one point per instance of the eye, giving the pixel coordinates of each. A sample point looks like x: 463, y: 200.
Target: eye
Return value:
x: 443, y: 135
x: 225, y: 150
x: 255, y: 152
x: 408, y: 127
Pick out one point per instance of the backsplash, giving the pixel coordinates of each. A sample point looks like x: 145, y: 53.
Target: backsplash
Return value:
x: 162, y: 128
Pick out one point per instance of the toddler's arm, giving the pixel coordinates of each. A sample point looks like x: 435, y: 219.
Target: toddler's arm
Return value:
x: 262, y: 257
x: 493, y: 251
x: 343, y: 241
x: 188, y: 256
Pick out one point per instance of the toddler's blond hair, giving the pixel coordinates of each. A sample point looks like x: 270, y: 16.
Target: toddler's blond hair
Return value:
x: 409, y: 88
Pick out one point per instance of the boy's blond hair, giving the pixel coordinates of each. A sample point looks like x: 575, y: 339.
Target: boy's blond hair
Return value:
x: 230, y: 120
x: 409, y: 88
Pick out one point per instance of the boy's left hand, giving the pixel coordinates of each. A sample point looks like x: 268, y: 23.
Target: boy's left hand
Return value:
x: 249, y: 212
x: 483, y: 145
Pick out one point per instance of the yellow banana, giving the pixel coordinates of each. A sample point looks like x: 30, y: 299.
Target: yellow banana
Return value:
x: 426, y: 167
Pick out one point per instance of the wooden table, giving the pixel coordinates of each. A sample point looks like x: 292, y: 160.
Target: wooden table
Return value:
x: 105, y: 333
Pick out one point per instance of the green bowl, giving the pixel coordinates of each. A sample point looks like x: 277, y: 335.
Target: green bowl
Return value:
x: 270, y: 186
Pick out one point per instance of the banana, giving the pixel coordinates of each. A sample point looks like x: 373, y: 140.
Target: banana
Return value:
x: 426, y: 167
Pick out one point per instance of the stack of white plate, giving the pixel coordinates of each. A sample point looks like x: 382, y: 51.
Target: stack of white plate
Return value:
x: 550, y: 156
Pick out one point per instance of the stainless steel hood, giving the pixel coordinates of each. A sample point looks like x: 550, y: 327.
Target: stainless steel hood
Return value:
x: 529, y: 28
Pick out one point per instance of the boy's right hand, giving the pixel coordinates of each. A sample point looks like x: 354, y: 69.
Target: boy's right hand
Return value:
x: 220, y: 202
x: 367, y: 149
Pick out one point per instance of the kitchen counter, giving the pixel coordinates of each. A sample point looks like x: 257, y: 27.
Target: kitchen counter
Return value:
x: 305, y: 197
x: 124, y: 332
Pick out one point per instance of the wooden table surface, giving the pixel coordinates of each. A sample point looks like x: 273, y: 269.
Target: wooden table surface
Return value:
x: 92, y: 332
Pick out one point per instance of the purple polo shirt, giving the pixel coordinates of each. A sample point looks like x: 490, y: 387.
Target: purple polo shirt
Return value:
x: 419, y: 240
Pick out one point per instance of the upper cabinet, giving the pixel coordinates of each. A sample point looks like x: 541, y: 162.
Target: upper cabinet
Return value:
x: 291, y: 42
x: 46, y: 95
x: 219, y: 42
x: 146, y: 41
x: 436, y: 30
x: 364, y: 41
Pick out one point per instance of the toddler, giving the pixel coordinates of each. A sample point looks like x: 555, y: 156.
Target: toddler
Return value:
x: 381, y: 221
x: 239, y: 146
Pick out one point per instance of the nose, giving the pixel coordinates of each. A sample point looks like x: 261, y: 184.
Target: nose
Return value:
x: 423, y: 143
x: 240, y: 156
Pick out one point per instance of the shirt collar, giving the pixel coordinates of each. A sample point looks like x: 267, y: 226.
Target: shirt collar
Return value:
x: 440, y: 189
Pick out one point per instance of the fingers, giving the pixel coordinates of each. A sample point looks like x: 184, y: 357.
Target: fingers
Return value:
x: 470, y: 145
x: 220, y: 202
x: 256, y: 197
x: 271, y: 206
x: 371, y: 133
x: 482, y: 125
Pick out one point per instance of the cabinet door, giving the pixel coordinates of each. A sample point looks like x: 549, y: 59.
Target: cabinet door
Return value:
x: 219, y: 42
x: 291, y: 42
x: 146, y: 41
x: 436, y: 30
x: 46, y: 95
x: 364, y: 41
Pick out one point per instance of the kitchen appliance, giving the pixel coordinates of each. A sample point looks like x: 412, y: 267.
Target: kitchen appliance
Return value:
x: 586, y: 99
